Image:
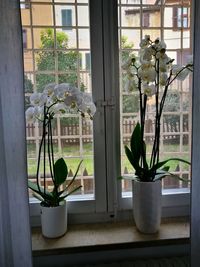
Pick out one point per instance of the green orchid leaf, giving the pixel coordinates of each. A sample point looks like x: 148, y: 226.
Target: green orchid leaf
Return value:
x: 166, y: 168
x: 39, y: 197
x: 178, y: 177
x: 72, y: 180
x: 129, y: 156
x: 161, y: 163
x: 69, y: 193
x: 60, y: 172
x: 130, y: 178
x: 40, y: 190
x: 136, y: 143
x: 144, y: 158
x: 160, y: 176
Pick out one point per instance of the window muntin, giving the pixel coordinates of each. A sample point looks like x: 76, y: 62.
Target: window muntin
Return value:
x: 53, y: 54
x: 176, y: 121
x: 105, y: 190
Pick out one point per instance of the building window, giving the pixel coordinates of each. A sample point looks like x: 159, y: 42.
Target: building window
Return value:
x: 180, y: 17
x: 25, y: 4
x: 24, y: 36
x: 145, y: 19
x: 87, y: 61
x: 66, y: 17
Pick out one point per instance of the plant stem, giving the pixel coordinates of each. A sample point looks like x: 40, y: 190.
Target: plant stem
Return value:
x: 44, y: 147
x: 49, y: 151
x: 52, y: 156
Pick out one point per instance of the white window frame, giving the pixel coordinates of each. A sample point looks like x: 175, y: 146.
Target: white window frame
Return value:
x: 108, y: 204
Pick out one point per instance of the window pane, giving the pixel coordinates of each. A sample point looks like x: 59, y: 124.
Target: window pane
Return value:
x: 175, y: 138
x: 59, y: 52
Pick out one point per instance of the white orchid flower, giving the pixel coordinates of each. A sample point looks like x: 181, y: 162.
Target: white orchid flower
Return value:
x: 92, y: 109
x: 49, y: 89
x: 149, y: 89
x: 61, y: 92
x: 59, y: 108
x: 70, y: 101
x: 87, y: 98
x: 59, y: 99
x: 148, y: 74
x: 30, y: 114
x: 147, y: 55
x: 126, y: 64
x: 35, y: 99
x: 183, y: 74
x: 163, y: 78
x: 176, y: 69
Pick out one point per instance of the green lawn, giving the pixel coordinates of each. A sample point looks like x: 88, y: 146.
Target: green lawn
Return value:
x: 73, y: 152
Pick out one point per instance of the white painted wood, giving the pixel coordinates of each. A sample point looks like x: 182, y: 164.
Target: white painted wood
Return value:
x: 15, y: 238
x: 96, y: 38
x: 111, y: 74
x: 195, y: 196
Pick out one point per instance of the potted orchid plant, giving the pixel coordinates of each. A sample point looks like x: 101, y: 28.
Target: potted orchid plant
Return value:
x: 55, y: 99
x: 151, y: 74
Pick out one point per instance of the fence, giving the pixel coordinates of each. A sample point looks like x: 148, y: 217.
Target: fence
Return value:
x: 171, y: 131
x: 70, y: 134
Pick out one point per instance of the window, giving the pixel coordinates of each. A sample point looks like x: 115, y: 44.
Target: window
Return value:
x: 145, y: 19
x: 66, y: 17
x: 181, y: 17
x: 86, y: 55
x: 24, y: 36
x: 53, y: 55
x: 176, y: 121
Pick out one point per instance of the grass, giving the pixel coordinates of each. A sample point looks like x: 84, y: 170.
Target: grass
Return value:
x: 72, y: 155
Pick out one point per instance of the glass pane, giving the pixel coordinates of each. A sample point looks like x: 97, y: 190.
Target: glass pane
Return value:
x: 169, y: 20
x: 65, y: 15
x: 52, y: 54
x: 69, y: 39
x: 83, y: 16
x: 130, y: 16
x: 42, y: 15
x: 84, y: 38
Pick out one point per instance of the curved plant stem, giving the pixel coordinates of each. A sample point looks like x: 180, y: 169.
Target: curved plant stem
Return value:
x: 49, y: 151
x: 44, y: 147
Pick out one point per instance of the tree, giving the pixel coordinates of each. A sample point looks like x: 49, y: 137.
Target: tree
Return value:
x: 130, y: 102
x: 48, y: 58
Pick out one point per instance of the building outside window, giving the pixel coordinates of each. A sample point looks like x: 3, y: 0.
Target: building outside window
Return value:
x: 181, y: 17
x: 24, y: 36
x: 66, y: 17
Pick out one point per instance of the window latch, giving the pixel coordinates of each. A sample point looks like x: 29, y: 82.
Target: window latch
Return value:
x: 106, y: 103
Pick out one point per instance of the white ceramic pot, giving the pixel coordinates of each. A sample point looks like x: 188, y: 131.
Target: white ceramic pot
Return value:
x: 147, y: 197
x: 54, y: 220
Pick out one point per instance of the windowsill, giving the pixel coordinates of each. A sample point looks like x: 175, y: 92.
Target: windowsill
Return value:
x: 108, y: 236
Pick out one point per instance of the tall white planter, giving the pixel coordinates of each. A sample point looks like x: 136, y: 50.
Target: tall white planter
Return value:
x: 147, y: 206
x: 54, y: 220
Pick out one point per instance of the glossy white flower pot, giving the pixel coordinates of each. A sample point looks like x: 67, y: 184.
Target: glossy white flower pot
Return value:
x: 54, y: 220
x: 147, y: 197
